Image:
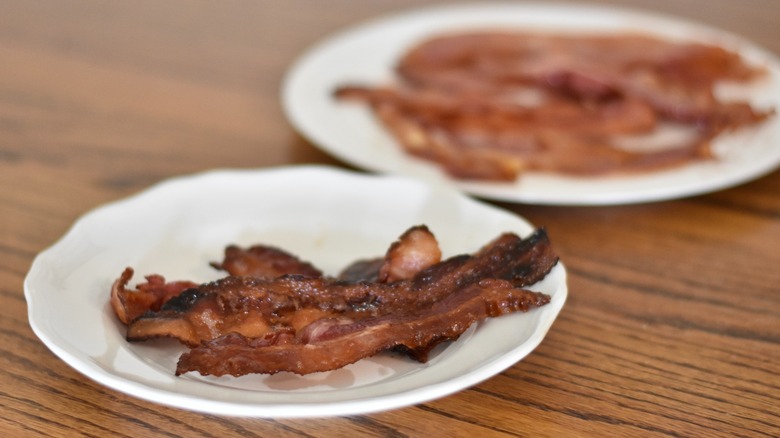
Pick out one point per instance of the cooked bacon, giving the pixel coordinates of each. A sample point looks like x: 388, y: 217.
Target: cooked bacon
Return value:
x: 341, y: 343
x: 147, y: 297
x: 255, y: 307
x: 415, y: 250
x: 248, y: 305
x: 592, y: 67
x: 501, y: 153
x: 491, y: 105
x: 408, y: 301
x: 505, y: 111
x: 362, y: 270
x: 264, y: 261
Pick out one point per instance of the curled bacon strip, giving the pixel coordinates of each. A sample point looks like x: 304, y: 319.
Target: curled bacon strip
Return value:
x: 415, y: 250
x: 147, y: 297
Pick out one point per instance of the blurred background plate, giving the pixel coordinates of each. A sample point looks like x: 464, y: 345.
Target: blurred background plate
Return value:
x: 366, y: 54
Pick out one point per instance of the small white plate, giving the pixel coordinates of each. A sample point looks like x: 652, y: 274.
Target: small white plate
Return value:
x: 367, y: 54
x: 327, y: 216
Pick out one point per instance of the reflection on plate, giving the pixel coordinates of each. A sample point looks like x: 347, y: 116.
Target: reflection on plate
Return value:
x: 327, y: 216
x: 367, y: 54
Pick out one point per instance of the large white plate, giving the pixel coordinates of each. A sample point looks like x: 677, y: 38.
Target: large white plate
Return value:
x: 366, y: 54
x: 327, y: 216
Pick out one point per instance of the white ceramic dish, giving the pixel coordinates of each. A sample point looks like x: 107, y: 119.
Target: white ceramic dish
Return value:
x: 328, y: 216
x: 366, y: 54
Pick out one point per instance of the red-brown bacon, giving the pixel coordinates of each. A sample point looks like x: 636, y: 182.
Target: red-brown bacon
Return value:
x: 255, y: 307
x: 416, y: 250
x: 675, y: 77
x: 490, y: 147
x: 264, y: 261
x: 343, y: 343
x: 300, y: 321
x: 129, y: 304
x: 490, y: 105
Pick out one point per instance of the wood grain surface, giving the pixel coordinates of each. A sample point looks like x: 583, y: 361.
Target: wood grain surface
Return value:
x: 672, y: 327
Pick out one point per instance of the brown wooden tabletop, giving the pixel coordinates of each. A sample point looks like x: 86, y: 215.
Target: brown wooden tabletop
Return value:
x: 672, y: 325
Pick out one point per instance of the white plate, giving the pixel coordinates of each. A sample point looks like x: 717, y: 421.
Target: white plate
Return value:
x: 328, y: 216
x: 367, y: 54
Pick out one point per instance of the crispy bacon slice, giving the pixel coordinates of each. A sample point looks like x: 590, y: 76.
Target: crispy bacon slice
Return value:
x: 500, y: 153
x: 129, y: 304
x: 248, y: 305
x: 255, y: 307
x: 264, y: 261
x: 342, y: 343
x: 416, y: 250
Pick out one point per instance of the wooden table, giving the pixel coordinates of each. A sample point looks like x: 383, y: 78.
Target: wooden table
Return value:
x: 672, y: 326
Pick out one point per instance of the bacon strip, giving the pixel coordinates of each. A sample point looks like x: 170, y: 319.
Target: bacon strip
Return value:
x: 469, y: 151
x: 416, y: 250
x: 129, y: 304
x: 303, y: 322
x: 505, y: 110
x: 264, y: 261
x: 343, y: 344
x: 491, y: 105
x: 255, y: 307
